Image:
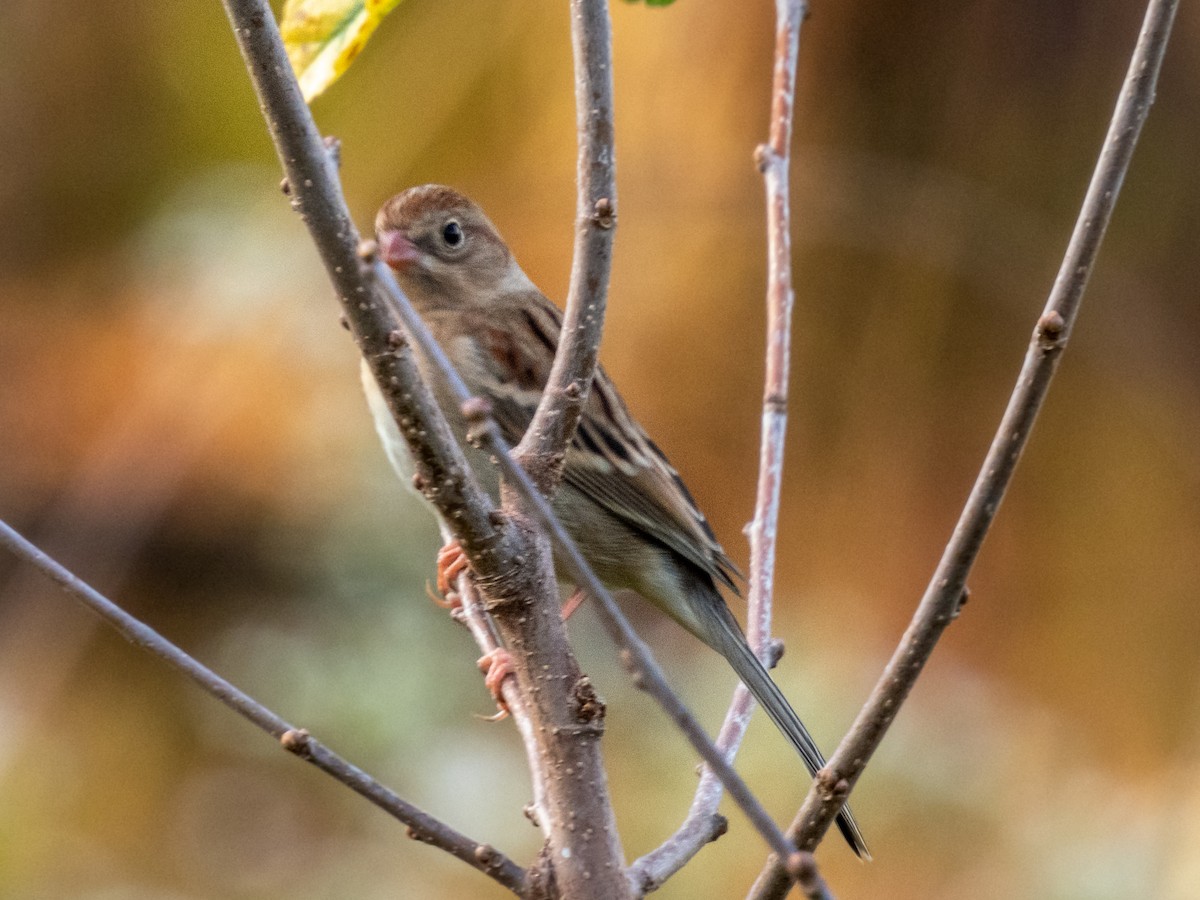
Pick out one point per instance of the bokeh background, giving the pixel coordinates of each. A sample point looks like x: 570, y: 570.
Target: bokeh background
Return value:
x: 180, y: 422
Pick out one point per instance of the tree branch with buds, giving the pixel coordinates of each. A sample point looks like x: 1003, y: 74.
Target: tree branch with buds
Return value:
x: 543, y: 449
x: 946, y: 591
x: 421, y: 826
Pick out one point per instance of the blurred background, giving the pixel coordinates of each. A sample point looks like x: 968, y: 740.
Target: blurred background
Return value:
x: 181, y: 423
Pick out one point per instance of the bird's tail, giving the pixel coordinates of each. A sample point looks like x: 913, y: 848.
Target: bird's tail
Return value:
x: 726, y: 637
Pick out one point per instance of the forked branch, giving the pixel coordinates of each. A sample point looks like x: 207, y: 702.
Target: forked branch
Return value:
x: 495, y: 548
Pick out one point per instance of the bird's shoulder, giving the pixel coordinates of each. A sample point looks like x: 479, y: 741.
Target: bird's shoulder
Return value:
x: 506, y: 353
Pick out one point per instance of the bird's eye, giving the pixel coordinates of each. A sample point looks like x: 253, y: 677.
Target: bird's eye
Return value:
x: 452, y: 234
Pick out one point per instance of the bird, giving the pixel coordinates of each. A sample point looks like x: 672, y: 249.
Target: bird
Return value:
x: 620, y: 499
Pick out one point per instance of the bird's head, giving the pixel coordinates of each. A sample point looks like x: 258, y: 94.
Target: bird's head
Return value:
x: 444, y: 250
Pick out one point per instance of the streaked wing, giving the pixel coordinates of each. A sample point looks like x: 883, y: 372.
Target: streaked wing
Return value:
x: 611, y: 459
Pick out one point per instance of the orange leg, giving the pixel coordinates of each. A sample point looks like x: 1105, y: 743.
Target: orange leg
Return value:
x: 496, y: 665
x: 451, y: 562
x: 573, y: 603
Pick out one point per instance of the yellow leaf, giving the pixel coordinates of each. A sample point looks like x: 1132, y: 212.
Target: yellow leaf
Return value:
x: 323, y: 37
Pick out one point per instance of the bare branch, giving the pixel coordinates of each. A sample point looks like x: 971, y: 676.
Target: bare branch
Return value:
x: 774, y: 160
x: 812, y: 885
x: 702, y: 825
x: 943, y: 596
x: 421, y: 826
x: 483, y: 630
x: 315, y: 193
x: 560, y: 720
x: 543, y: 447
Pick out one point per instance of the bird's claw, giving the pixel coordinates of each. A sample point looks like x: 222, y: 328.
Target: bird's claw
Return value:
x: 496, y: 665
x: 450, y: 600
x: 451, y: 562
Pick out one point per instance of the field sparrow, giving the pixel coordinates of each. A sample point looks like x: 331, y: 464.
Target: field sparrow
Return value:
x: 620, y: 499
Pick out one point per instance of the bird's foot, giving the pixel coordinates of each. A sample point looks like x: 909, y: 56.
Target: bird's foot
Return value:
x: 451, y: 562
x: 496, y: 665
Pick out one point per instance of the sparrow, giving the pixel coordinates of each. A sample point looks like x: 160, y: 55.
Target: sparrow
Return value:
x: 620, y: 499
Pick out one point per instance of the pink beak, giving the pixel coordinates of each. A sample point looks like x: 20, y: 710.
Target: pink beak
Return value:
x: 397, y: 250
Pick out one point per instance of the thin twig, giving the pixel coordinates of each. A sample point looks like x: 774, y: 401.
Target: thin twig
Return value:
x: 422, y: 826
x: 542, y: 449
x: 811, y: 884
x: 492, y: 548
x: 943, y: 596
x: 483, y: 630
x: 773, y: 159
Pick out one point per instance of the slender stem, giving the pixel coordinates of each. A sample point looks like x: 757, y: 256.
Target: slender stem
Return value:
x: 561, y: 721
x: 774, y: 161
x: 542, y: 450
x: 943, y: 596
x: 422, y: 826
x: 316, y: 194
x: 483, y: 630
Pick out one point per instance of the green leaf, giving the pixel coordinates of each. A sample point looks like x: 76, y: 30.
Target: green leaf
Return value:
x: 323, y: 37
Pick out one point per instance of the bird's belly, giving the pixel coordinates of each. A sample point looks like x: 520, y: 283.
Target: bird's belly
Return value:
x: 620, y: 558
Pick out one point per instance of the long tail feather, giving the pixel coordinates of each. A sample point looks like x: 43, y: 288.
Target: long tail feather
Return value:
x: 726, y: 637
